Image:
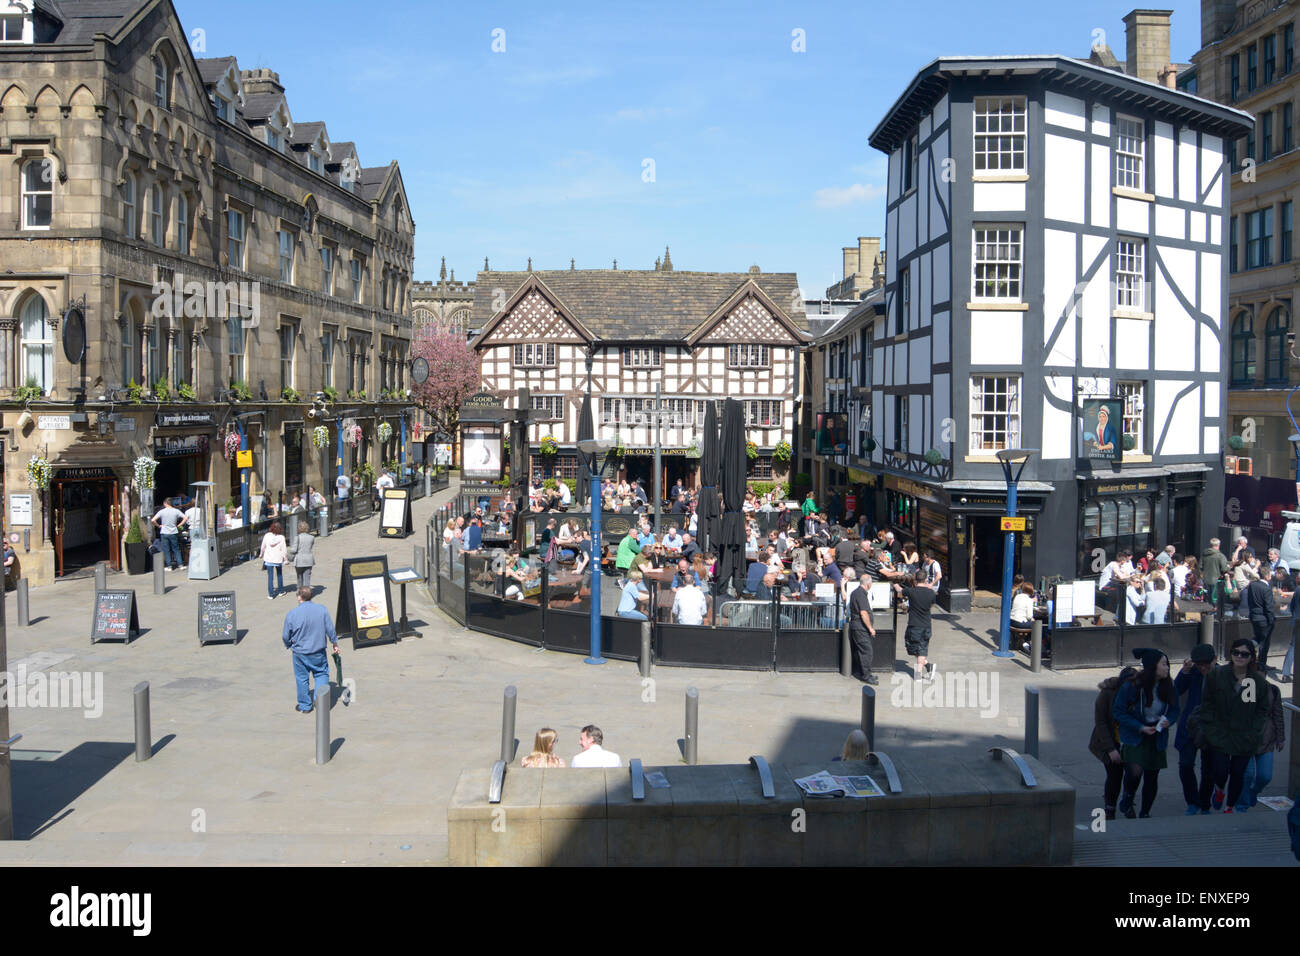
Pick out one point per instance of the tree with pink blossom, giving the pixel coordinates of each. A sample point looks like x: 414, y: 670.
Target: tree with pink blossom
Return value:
x: 453, y: 375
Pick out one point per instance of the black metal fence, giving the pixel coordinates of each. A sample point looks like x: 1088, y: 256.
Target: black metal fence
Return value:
x: 551, y: 608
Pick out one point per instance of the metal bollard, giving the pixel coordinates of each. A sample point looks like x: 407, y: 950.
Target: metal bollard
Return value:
x: 1031, y: 721
x: 692, y: 741
x: 869, y: 715
x: 101, y: 576
x: 1036, y: 647
x: 645, y: 648
x: 419, y: 560
x: 1207, y: 629
x: 323, y: 724
x: 143, y: 734
x: 846, y: 652
x: 508, y: 723
x: 323, y: 523
x: 428, y: 486
x: 159, y: 578
x: 24, y: 610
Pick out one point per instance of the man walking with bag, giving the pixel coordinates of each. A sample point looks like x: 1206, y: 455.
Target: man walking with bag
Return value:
x: 307, y: 629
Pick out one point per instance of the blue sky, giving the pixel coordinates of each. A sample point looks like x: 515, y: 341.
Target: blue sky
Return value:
x: 760, y: 153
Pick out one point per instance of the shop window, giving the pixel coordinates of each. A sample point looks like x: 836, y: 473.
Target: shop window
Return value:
x: 761, y: 468
x: 1142, y: 516
x: 1091, y: 521
x: 1125, y: 527
x: 1109, y: 515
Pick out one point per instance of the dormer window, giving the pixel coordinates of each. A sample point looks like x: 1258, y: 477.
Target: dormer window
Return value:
x: 273, y: 139
x: 13, y: 29
x: 221, y: 105
x: 313, y: 162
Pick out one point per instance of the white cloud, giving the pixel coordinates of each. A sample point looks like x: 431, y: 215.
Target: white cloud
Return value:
x: 643, y: 114
x: 832, y: 197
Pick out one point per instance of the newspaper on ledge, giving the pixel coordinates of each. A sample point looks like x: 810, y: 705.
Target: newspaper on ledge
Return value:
x: 825, y: 784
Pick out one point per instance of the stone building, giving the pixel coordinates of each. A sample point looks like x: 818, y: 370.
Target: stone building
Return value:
x: 864, y: 270
x: 447, y: 303
x: 1248, y: 60
x: 226, y: 263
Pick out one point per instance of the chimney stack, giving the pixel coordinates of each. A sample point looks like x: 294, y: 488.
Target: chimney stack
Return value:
x: 868, y: 249
x: 1217, y: 17
x: 850, y: 261
x: 1146, y: 43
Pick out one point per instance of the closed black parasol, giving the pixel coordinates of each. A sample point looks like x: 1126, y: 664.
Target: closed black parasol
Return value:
x: 708, y: 514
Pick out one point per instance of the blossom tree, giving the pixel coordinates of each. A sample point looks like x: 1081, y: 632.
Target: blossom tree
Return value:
x: 453, y: 374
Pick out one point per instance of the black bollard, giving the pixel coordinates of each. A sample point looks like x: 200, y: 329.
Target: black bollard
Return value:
x: 508, y: 723
x: 1036, y: 647
x: 1031, y: 721
x: 869, y: 715
x: 692, y: 726
x: 846, y: 652
x: 143, y: 734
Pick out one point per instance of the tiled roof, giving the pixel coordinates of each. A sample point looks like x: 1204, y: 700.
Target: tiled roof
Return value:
x: 258, y: 106
x: 305, y: 133
x: 212, y: 69
x: 82, y: 19
x: 371, y: 181
x: 634, y: 305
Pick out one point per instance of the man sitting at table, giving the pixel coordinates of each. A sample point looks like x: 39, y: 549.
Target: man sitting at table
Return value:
x: 689, y: 604
x: 766, y: 587
x: 689, y: 548
x: 583, y: 544
x: 684, y: 575
x: 518, y: 573
x: 672, y: 540
x: 754, y: 577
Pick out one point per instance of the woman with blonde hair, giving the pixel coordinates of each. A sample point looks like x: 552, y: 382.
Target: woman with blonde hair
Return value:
x: 543, y: 754
x: 856, y: 746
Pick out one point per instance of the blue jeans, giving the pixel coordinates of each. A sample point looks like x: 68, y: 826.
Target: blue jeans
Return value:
x: 171, y: 549
x: 633, y: 615
x: 274, y: 572
x: 1259, y: 774
x: 317, y: 664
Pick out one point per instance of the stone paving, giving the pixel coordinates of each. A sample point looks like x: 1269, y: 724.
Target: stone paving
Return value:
x: 233, y: 779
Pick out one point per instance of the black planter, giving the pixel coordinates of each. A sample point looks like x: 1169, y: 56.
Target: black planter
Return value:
x: 137, y: 558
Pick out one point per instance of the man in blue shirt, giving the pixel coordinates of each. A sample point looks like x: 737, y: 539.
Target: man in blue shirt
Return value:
x: 1191, y: 681
x: 754, y: 578
x: 307, y: 629
x: 474, y: 535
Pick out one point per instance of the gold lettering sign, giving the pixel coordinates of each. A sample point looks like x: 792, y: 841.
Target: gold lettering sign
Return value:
x: 366, y: 569
x: 1120, y: 488
x: 915, y: 489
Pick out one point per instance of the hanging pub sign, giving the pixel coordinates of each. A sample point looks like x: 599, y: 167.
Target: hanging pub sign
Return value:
x: 481, y: 453
x: 115, y: 617
x: 217, y: 617
x: 365, y: 608
x: 831, y: 435
x: 395, y: 515
x: 1103, y: 421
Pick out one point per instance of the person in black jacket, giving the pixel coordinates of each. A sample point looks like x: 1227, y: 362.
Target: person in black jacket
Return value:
x: 1105, y: 745
x: 1259, y: 598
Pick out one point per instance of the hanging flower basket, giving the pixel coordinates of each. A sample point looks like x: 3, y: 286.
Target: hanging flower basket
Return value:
x: 1130, y: 442
x: 693, y: 450
x: 231, y: 445
x: 144, y: 469
x: 352, y: 435
x: 782, y: 451
x: 38, y: 473
x: 751, y: 450
x: 549, y: 445
x: 320, y: 436
x: 385, y: 431
x: 1236, y: 443
x: 933, y: 456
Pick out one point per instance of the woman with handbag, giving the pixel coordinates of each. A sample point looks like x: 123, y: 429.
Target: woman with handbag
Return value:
x: 1145, y: 708
x: 273, y: 553
x: 304, y: 559
x: 1105, y: 744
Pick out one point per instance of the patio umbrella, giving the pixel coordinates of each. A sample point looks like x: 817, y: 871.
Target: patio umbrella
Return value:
x: 707, y: 512
x: 586, y: 432
x: 733, y: 466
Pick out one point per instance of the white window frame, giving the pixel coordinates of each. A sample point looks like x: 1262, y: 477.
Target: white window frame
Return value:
x: 904, y: 301
x: 35, y: 310
x: 286, y: 274
x: 161, y: 82
x: 991, y: 272
x: 288, y: 336
x: 130, y: 198
x: 764, y: 413
x: 749, y: 355
x: 24, y: 27
x: 1130, y: 153
x: 643, y: 356
x: 534, y: 355
x: 328, y: 343
x: 130, y: 352
x: 236, y: 359
x: 157, y: 218
x: 327, y: 256
x: 180, y: 358
x: 1001, y: 144
x: 235, y: 237
x: 358, y: 274
x: 183, y: 223
x: 1133, y: 395
x: 983, y: 437
x: 273, y: 138
x: 313, y: 161
x: 222, y: 107
x: 552, y: 405
x: 157, y: 357
x: 31, y: 196
x: 1130, y: 274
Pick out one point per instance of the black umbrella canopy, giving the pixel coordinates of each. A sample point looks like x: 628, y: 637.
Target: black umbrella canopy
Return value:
x: 586, y: 432
x: 707, y: 511
x: 733, y: 466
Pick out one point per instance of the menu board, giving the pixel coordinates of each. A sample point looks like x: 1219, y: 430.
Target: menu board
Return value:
x: 115, y: 617
x: 365, y: 608
x: 217, y: 621
x: 395, y: 515
x: 881, y: 596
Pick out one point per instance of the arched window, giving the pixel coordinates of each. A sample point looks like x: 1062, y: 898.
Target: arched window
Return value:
x: 161, y: 82
x: 180, y: 362
x: 1275, y: 350
x: 182, y: 224
x: 235, y: 348
x: 130, y: 224
x: 1243, y: 349
x: 157, y: 353
x: 157, y: 224
x: 38, y: 345
x: 130, y: 345
x: 38, y: 194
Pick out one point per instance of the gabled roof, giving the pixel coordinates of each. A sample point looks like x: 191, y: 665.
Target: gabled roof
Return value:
x: 643, y: 306
x: 1064, y: 74
x: 370, y: 184
x: 259, y: 106
x: 304, y: 134
x: 80, y: 20
x: 212, y: 69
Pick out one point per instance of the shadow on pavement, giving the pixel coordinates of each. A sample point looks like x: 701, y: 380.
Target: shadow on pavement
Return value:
x: 42, y: 789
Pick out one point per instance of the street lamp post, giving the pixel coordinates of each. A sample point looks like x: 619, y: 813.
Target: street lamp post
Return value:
x: 595, y: 450
x: 1008, y: 458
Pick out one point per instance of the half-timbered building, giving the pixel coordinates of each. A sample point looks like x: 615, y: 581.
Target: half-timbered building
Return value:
x: 699, y: 336
x: 1057, y: 234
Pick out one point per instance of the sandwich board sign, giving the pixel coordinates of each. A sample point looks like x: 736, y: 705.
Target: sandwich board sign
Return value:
x: 115, y: 617
x: 365, y: 608
x: 217, y: 621
x: 395, y: 514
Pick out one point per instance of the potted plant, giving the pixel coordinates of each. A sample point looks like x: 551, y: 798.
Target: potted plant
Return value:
x: 134, y: 393
x: 137, y: 552
x: 320, y: 436
x: 29, y: 392
x: 549, y: 445
x: 751, y: 450
x: 186, y: 392
x: 331, y: 394
x: 290, y: 394
x: 1130, y: 442
x: 162, y: 390
x: 241, y: 392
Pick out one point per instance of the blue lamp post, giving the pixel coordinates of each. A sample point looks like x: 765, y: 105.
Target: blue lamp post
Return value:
x: 243, y: 474
x: 1007, y: 459
x: 595, y: 451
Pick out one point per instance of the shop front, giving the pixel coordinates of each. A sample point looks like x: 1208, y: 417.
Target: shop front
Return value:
x: 182, y: 445
x: 675, y: 464
x: 86, y: 518
x: 1117, y: 515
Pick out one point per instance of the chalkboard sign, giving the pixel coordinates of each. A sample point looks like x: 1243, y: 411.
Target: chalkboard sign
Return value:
x: 365, y: 608
x: 217, y: 617
x: 115, y: 617
x: 395, y: 515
